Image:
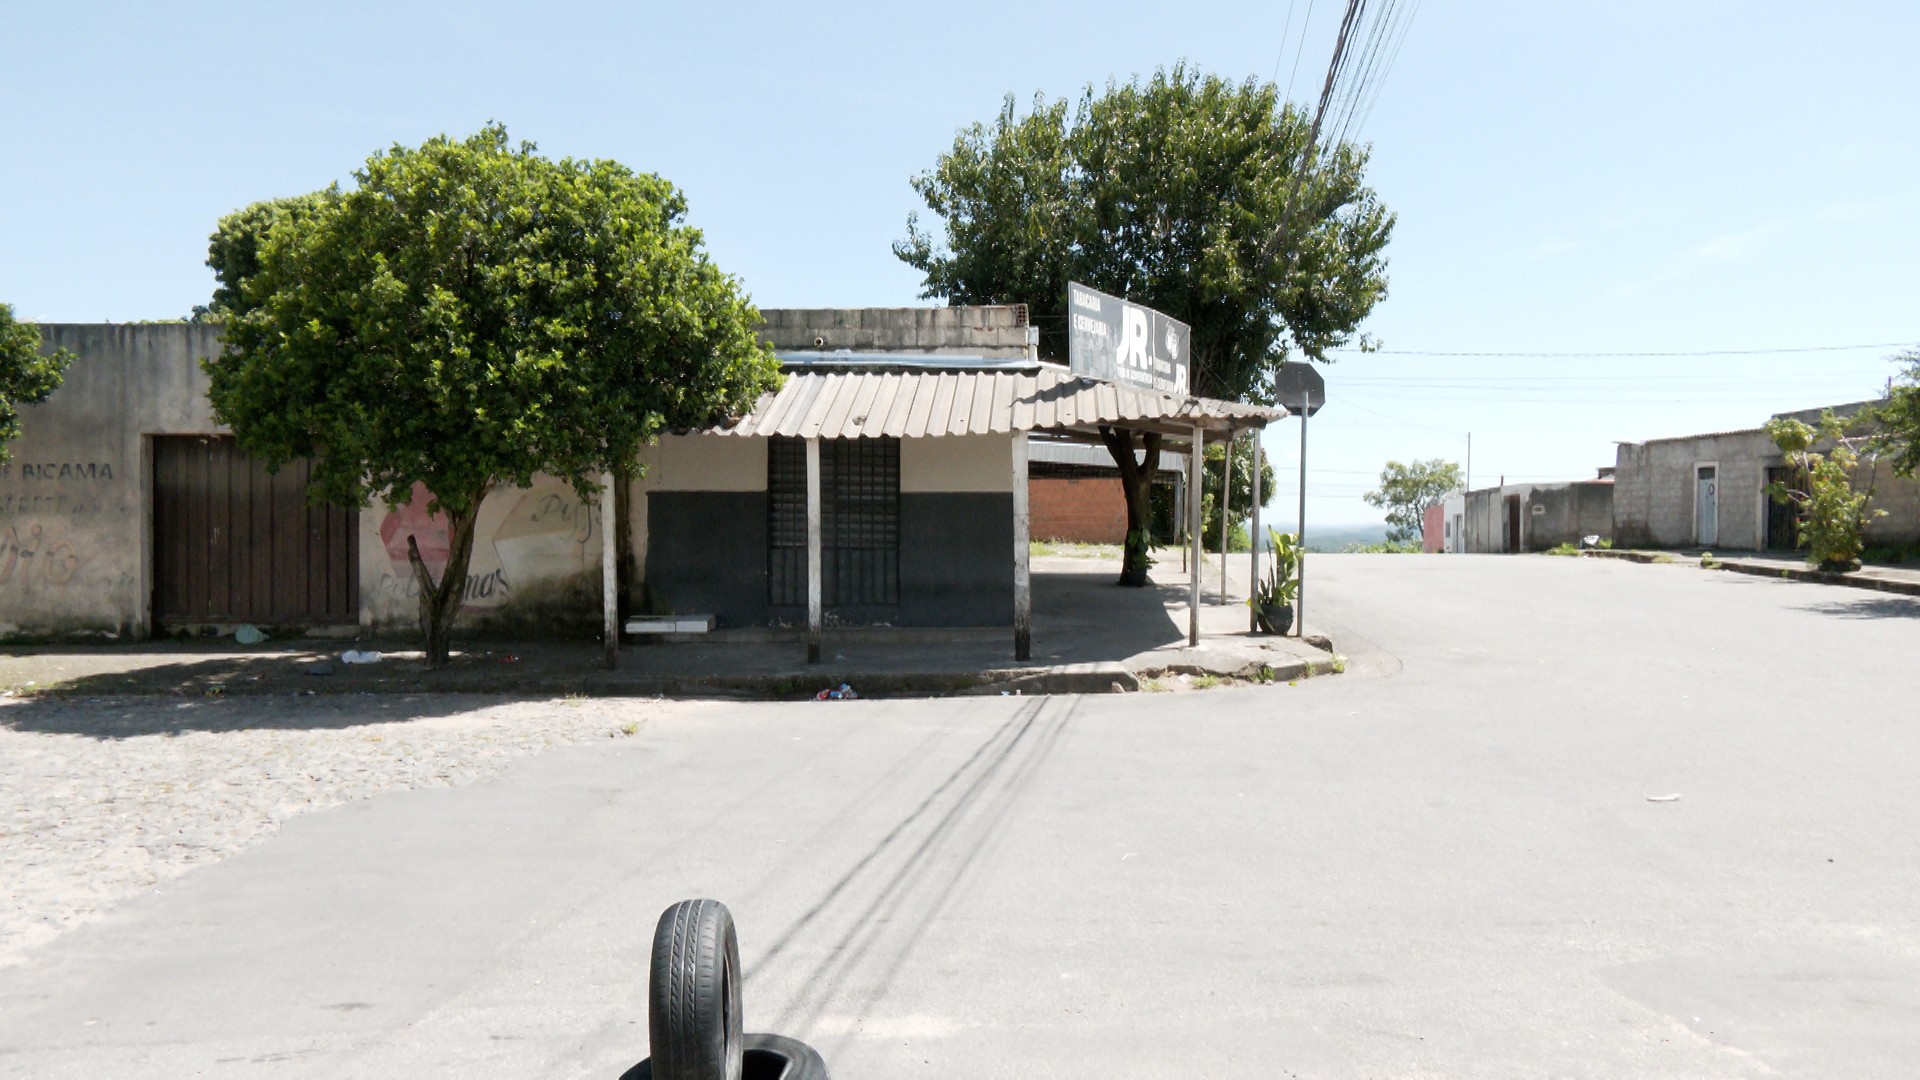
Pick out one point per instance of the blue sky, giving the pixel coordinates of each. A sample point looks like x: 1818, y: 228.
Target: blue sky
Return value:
x: 1569, y: 178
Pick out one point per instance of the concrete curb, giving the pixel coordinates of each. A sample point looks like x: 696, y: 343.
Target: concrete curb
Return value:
x: 1087, y: 678
x: 1819, y: 577
x: 1631, y: 556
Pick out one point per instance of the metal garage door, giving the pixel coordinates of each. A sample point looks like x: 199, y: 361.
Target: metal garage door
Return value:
x: 234, y: 544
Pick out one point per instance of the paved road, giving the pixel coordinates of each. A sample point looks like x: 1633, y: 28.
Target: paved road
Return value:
x: 1443, y: 863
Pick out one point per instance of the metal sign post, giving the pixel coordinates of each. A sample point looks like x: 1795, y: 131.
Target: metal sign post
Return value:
x: 1300, y: 593
x: 1299, y: 382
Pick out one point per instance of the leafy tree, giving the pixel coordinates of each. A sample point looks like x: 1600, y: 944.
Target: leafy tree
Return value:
x: 1406, y: 491
x: 1240, y: 506
x: 1898, y: 419
x: 470, y: 314
x: 27, y: 376
x: 233, y: 251
x: 1172, y: 192
x: 1833, y: 516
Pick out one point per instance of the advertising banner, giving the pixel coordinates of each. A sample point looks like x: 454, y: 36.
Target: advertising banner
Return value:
x: 1119, y: 341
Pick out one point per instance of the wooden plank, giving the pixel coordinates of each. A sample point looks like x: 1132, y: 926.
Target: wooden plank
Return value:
x: 1022, y: 576
x: 259, y: 547
x: 288, y: 554
x: 813, y: 551
x: 194, y: 538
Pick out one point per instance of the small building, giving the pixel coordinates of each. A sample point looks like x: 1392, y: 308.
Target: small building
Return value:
x: 1709, y: 491
x: 130, y: 512
x: 1526, y: 517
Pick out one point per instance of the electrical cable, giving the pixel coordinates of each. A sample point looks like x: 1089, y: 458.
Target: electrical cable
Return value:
x: 1622, y: 355
x: 1300, y: 50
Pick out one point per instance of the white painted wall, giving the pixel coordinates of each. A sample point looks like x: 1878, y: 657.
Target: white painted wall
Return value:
x: 969, y: 463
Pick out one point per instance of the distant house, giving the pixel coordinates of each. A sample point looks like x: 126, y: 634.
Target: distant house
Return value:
x: 1525, y: 517
x: 1710, y: 491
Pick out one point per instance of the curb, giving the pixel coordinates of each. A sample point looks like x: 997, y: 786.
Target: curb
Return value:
x: 1630, y: 556
x: 1107, y: 677
x: 1819, y: 577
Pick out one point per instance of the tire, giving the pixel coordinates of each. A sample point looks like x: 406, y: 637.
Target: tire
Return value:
x: 693, y: 1000
x: 776, y: 1057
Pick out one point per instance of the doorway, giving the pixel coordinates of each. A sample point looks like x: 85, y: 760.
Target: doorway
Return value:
x: 233, y: 543
x: 1706, y: 505
x: 1513, y: 523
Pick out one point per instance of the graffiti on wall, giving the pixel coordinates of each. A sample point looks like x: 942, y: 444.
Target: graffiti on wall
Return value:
x: 56, y: 471
x: 35, y: 557
x: 543, y: 536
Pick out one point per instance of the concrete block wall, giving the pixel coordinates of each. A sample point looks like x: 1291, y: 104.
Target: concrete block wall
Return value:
x: 1656, y: 490
x: 1085, y: 510
x: 998, y: 331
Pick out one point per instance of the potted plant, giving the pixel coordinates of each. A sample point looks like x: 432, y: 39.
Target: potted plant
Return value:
x: 1272, y: 599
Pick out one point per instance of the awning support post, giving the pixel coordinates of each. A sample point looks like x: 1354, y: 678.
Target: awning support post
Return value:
x: 1254, y: 535
x: 1022, y: 571
x: 1226, y: 511
x: 609, y: 575
x: 1198, y: 451
x: 813, y: 551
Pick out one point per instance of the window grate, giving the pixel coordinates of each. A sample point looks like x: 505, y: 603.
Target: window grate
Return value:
x: 859, y: 522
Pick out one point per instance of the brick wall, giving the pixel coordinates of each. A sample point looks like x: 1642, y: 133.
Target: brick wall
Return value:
x: 1085, y: 510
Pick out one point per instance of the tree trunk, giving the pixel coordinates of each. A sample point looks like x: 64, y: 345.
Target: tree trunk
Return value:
x: 1136, y: 481
x: 439, y: 603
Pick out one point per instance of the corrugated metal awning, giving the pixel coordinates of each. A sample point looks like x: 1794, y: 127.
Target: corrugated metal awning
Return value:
x: 854, y: 403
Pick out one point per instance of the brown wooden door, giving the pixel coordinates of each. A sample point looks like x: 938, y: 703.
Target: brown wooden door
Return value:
x: 235, y: 544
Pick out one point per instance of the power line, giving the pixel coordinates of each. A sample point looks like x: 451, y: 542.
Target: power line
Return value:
x: 1621, y: 355
x: 1393, y: 57
x: 1284, y: 29
x: 1300, y: 49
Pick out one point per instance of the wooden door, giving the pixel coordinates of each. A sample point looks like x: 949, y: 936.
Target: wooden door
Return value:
x: 235, y: 544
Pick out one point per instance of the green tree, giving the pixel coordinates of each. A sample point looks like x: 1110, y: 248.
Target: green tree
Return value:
x: 27, y: 375
x: 1406, y: 491
x: 1898, y: 418
x: 1172, y: 192
x: 1832, y: 515
x: 1240, y: 507
x: 233, y: 251
x: 471, y: 314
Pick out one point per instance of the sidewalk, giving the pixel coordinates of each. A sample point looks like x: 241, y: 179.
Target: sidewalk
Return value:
x: 1785, y: 564
x: 1089, y: 636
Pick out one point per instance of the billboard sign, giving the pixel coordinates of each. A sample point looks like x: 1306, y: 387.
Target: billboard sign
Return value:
x: 1112, y: 339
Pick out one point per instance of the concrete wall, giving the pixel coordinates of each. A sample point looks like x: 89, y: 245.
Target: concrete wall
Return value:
x: 1453, y: 516
x: 1550, y: 515
x: 1654, y: 503
x: 991, y: 331
x: 76, y: 503
x: 535, y: 565
x: 1433, y: 532
x: 74, y: 543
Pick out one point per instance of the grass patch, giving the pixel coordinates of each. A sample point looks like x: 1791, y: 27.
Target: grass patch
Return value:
x: 1153, y: 686
x: 1205, y: 682
x: 1563, y: 548
x: 1067, y: 550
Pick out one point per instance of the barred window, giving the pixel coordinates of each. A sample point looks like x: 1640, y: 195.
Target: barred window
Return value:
x: 859, y: 522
